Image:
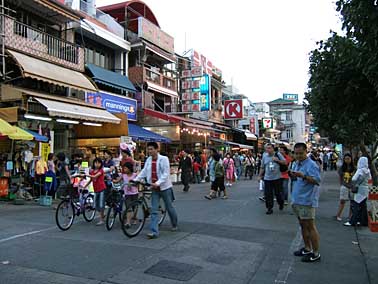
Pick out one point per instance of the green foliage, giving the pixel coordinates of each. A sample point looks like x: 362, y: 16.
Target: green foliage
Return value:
x: 360, y: 21
x: 341, y: 98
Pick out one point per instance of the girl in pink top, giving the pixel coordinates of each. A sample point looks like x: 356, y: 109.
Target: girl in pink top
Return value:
x: 131, y: 192
x: 229, y: 167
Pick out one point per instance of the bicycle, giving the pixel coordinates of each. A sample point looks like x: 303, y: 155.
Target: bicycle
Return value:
x: 68, y: 208
x: 141, y: 210
x: 115, y: 205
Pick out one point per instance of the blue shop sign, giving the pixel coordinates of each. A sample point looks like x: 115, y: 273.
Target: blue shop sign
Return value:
x: 114, y: 103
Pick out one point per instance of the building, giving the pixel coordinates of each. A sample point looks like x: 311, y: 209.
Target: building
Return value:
x: 291, y: 120
x: 43, y: 72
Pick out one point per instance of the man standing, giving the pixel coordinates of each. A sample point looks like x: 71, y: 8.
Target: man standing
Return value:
x: 157, y: 172
x: 238, y: 165
x: 186, y: 170
x: 305, y: 196
x: 270, y: 172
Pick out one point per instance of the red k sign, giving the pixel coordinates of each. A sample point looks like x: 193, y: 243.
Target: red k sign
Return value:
x: 233, y: 109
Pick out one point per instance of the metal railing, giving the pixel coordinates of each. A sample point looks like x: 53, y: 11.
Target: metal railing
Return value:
x: 55, y: 46
x: 90, y: 9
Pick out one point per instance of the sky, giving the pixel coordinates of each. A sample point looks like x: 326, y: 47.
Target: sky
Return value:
x: 262, y: 47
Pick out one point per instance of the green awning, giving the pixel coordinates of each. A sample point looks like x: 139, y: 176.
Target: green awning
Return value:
x: 110, y: 78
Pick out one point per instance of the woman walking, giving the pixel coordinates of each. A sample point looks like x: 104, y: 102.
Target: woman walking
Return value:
x: 218, y: 183
x: 346, y: 172
x: 229, y: 167
x: 358, y: 200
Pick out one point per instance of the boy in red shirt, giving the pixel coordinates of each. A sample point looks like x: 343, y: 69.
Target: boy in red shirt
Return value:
x: 97, y: 176
x: 197, y: 171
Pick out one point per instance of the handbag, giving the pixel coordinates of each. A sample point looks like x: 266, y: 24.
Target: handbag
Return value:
x: 283, y: 168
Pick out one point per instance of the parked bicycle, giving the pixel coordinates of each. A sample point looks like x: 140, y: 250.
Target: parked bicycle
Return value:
x: 70, y: 207
x: 141, y: 210
x: 115, y: 205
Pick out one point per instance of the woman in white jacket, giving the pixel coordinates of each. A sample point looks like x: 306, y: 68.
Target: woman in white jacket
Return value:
x: 358, y: 200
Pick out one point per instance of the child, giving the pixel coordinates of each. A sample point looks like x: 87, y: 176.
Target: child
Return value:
x: 131, y: 192
x: 97, y: 176
x: 218, y: 183
x: 197, y: 171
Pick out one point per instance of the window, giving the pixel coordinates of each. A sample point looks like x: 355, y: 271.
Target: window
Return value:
x: 289, y: 133
x: 289, y: 116
x: 99, y: 58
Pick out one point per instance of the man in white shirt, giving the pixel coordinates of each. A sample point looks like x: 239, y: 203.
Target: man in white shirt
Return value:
x: 157, y: 172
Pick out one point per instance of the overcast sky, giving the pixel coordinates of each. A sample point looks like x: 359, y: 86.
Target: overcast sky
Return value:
x: 261, y: 46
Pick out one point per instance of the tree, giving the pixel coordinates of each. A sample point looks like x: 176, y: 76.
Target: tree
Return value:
x: 341, y: 97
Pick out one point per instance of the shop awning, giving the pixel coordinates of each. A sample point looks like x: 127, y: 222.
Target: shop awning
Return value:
x: 56, y: 108
x: 167, y: 56
x: 20, y: 134
x: 111, y: 79
x: 198, y: 126
x: 6, y: 128
x: 140, y: 134
x: 238, y: 145
x: 37, y: 137
x: 162, y: 90
x: 250, y: 136
x: 51, y: 73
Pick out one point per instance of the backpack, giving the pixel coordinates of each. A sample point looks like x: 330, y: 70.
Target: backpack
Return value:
x: 283, y: 168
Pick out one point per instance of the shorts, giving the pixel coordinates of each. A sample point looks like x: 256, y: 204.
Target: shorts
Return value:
x: 130, y: 199
x: 100, y: 200
x: 344, y: 193
x: 218, y: 183
x: 304, y: 212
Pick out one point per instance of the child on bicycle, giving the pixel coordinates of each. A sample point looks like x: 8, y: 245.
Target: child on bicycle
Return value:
x: 130, y: 192
x: 97, y: 176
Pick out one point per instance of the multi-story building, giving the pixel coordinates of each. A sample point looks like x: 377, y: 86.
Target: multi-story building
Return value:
x: 43, y: 72
x: 291, y: 120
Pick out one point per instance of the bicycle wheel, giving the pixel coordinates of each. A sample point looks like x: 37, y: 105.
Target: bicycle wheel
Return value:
x: 162, y: 211
x: 111, y: 216
x: 65, y: 215
x: 137, y: 219
x: 89, y: 209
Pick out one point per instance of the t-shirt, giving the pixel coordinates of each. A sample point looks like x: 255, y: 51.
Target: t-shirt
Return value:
x: 40, y: 167
x: 154, y: 176
x: 196, y: 167
x: 99, y: 182
x: 305, y: 193
x: 237, y: 161
x: 272, y: 169
x: 285, y: 175
x: 346, y: 177
x: 129, y: 190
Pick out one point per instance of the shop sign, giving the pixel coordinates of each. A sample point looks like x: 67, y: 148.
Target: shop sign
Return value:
x: 45, y: 151
x: 126, y: 139
x: 114, y: 103
x: 194, y: 72
x: 290, y: 97
x: 252, y: 127
x: 267, y: 123
x: 197, y: 96
x: 233, y: 109
x: 154, y: 34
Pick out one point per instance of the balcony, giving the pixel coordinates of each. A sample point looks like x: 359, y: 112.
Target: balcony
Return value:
x: 103, y: 19
x: 32, y: 41
x: 139, y: 75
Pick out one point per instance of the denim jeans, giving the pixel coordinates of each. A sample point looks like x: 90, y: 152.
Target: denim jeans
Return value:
x: 167, y: 196
x: 239, y: 171
x: 285, y: 189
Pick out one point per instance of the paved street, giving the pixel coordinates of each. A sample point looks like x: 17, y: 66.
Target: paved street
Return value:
x: 219, y: 241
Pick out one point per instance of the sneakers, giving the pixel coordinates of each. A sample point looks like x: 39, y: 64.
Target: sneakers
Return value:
x: 311, y: 257
x: 152, y: 236
x: 174, y: 229
x: 269, y: 212
x: 339, y: 218
x: 208, y: 197
x: 225, y: 197
x: 348, y: 224
x: 262, y: 198
x: 302, y: 252
x: 100, y: 223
